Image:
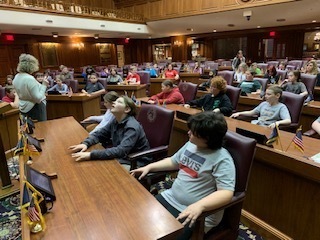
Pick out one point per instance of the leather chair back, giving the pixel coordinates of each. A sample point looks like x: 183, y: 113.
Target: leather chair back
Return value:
x: 290, y: 67
x: 188, y: 90
x: 310, y: 81
x: 145, y: 79
x: 233, y: 93
x: 294, y: 103
x: 264, y: 83
x: 263, y: 66
x: 273, y: 63
x: 74, y: 85
x: 226, y: 63
x: 103, y: 81
x: 227, y: 75
x: 282, y: 74
x: 296, y: 63
x: 2, y: 92
x: 157, y: 123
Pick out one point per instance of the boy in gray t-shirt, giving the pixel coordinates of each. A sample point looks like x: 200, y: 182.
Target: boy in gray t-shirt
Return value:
x: 206, y: 177
x: 271, y: 112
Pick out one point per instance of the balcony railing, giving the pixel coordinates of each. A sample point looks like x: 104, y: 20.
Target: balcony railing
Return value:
x: 70, y: 9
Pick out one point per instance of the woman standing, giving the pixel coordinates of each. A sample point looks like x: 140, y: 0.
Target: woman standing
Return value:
x: 31, y: 93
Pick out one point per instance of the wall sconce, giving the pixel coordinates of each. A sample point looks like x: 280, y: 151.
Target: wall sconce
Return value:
x: 78, y: 45
x: 55, y: 34
x: 177, y: 43
x: 317, y: 37
x: 190, y: 42
x: 96, y: 36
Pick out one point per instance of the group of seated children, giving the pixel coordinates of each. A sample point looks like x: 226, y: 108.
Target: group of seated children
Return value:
x: 103, y: 120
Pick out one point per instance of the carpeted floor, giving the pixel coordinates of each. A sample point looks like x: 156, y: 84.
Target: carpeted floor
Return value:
x: 10, y: 223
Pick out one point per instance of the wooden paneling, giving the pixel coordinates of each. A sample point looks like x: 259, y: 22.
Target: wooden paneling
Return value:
x: 156, y: 9
x: 209, y: 5
x: 190, y: 6
x: 179, y: 8
x: 229, y: 4
x: 170, y: 7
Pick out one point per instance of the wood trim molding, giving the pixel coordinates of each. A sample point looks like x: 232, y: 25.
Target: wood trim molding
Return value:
x: 263, y: 228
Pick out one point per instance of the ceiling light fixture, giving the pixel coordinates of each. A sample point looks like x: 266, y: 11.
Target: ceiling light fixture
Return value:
x: 258, y: 26
x: 55, y: 34
x: 190, y: 29
x: 214, y: 30
x: 314, y: 21
x: 96, y: 36
x: 49, y: 21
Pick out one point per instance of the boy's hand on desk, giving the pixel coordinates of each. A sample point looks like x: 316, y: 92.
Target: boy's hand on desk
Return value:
x: 81, y: 156
x: 235, y: 115
x: 78, y: 148
x: 143, y: 171
x: 191, y: 213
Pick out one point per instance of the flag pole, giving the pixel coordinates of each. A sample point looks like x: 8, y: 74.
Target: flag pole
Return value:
x: 290, y: 144
x: 279, y: 137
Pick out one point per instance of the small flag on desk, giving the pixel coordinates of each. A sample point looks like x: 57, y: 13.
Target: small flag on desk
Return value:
x: 297, y: 140
x: 274, y: 137
x: 32, y: 212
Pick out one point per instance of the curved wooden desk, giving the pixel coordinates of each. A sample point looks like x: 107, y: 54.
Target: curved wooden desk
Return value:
x: 95, y: 199
x: 284, y: 187
x: 79, y: 105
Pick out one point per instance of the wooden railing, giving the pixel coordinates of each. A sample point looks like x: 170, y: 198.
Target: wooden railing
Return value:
x: 62, y: 8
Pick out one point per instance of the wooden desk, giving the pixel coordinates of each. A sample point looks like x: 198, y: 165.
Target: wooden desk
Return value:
x: 4, y: 107
x: 284, y: 187
x: 138, y: 90
x: 222, y: 68
x: 155, y: 85
x: 190, y: 77
x: 79, y: 105
x: 8, y: 125
x: 95, y: 199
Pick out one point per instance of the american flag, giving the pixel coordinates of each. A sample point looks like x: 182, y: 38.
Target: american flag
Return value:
x: 297, y: 140
x: 274, y: 137
x: 32, y: 211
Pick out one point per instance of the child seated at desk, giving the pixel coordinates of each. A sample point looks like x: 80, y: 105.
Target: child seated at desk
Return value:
x: 133, y: 77
x: 60, y: 87
x: 170, y: 94
x: 114, y: 78
x: 125, y: 132
x: 11, y: 97
x: 103, y: 120
x: 93, y: 87
x: 249, y: 85
x: 271, y: 112
x: 217, y: 100
x: 206, y: 177
x: 316, y: 125
x: 293, y: 84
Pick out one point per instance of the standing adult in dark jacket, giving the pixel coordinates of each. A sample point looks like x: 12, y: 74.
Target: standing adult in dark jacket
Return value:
x: 217, y: 100
x: 125, y: 132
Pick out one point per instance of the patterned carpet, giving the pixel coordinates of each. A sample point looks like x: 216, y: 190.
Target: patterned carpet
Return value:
x: 10, y: 223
